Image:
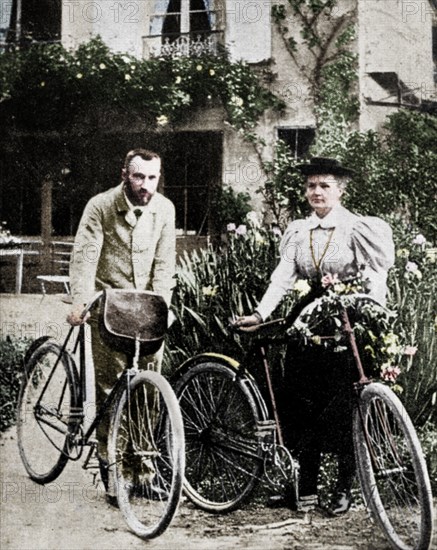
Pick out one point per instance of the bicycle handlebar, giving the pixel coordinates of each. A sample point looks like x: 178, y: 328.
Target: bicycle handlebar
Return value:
x: 306, y: 305
x: 91, y: 303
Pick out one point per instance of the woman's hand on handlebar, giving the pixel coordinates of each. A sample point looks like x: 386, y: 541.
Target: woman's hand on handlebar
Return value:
x: 76, y: 316
x: 247, y: 320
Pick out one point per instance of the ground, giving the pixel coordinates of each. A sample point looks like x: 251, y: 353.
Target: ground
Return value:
x: 71, y: 513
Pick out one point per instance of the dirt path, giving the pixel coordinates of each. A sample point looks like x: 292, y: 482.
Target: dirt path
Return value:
x: 71, y: 514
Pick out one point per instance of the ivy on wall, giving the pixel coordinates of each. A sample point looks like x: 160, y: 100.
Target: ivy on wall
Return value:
x: 320, y: 48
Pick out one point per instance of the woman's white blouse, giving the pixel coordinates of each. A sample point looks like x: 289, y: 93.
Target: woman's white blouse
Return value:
x: 354, y: 244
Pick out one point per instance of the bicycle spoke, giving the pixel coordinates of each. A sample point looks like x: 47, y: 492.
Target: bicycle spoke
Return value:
x: 220, y: 418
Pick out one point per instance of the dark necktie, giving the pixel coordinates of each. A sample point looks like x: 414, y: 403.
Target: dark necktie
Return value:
x: 138, y: 212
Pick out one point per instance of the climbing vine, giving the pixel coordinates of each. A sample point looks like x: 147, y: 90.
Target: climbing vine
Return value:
x: 320, y: 48
x: 51, y: 86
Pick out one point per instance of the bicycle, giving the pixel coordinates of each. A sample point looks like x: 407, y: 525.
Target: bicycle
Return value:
x: 233, y: 438
x: 146, y: 439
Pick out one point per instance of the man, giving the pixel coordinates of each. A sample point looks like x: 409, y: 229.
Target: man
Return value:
x: 126, y: 239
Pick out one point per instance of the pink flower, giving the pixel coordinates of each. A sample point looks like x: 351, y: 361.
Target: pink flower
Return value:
x: 241, y: 230
x: 419, y: 239
x: 410, y: 350
x: 389, y: 374
x: 231, y: 227
x: 411, y: 267
x: 330, y: 280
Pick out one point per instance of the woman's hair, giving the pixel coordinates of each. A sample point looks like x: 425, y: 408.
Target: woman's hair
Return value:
x: 145, y: 154
x: 342, y: 182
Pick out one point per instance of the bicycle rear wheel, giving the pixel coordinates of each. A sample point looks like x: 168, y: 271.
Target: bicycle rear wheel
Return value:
x: 224, y: 457
x: 392, y: 469
x: 47, y: 399
x: 146, y: 454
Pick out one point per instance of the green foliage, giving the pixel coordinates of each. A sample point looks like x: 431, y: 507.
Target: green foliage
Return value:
x: 215, y: 284
x: 50, y: 86
x: 413, y: 291
x: 229, y: 206
x: 396, y: 170
x: 282, y: 190
x: 11, y: 361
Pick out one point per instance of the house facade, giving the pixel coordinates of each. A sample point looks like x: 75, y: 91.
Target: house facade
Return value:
x: 393, y: 43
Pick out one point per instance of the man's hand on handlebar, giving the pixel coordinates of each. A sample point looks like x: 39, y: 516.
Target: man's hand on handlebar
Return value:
x: 76, y: 317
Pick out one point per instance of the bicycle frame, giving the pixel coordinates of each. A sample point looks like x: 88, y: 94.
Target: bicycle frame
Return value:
x: 76, y: 435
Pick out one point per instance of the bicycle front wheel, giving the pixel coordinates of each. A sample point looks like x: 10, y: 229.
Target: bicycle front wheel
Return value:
x: 224, y: 457
x: 47, y: 399
x: 146, y: 454
x: 392, y: 469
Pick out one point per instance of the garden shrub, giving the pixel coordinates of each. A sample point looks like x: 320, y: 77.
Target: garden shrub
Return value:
x: 12, y: 352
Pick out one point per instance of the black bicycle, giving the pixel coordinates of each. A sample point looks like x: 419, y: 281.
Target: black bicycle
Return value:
x: 146, y: 452
x: 234, y: 440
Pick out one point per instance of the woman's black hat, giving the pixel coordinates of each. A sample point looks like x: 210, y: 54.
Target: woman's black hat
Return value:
x: 324, y: 165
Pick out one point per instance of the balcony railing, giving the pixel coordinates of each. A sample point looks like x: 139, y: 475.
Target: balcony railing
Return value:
x: 183, y: 45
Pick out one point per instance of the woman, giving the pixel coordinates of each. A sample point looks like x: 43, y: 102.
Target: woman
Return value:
x: 332, y: 241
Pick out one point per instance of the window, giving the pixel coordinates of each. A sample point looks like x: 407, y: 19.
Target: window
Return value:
x: 192, y: 165
x: 183, y: 28
x: 33, y: 21
x: 298, y: 139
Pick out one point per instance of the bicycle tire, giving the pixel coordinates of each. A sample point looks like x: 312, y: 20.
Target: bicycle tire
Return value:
x: 146, y: 454
x: 46, y: 419
x: 392, y: 469
x: 224, y: 456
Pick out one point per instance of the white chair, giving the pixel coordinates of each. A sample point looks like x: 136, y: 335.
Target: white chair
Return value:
x: 60, y: 259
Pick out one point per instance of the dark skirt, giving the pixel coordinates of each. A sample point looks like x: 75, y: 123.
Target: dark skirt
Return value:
x: 314, y: 399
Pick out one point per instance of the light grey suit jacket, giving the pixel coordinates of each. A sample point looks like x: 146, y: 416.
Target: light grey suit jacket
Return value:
x: 113, y: 249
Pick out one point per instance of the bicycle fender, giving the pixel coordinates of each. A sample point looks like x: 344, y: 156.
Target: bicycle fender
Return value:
x: 34, y: 346
x: 201, y: 358
x: 232, y: 365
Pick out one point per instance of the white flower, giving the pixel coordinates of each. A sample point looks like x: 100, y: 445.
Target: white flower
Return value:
x: 162, y: 120
x: 209, y: 290
x: 178, y: 80
x: 102, y: 66
x: 231, y: 227
x: 79, y: 75
x: 253, y: 219
x: 236, y: 100
x: 241, y: 230
x: 419, y: 239
x: 259, y: 239
x: 302, y: 287
x: 411, y: 267
x: 125, y: 59
x: 127, y: 77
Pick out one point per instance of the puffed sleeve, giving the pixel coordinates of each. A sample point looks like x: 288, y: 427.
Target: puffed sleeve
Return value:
x: 285, y: 273
x: 372, y: 242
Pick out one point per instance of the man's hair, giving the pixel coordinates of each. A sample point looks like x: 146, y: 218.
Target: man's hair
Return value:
x: 145, y: 154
